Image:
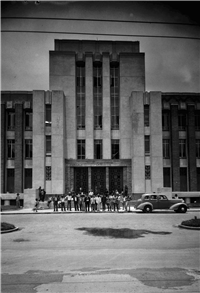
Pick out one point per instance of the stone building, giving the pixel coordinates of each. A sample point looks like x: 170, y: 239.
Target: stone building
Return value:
x: 97, y: 128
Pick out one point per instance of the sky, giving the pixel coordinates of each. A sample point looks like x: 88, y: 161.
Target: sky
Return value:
x: 168, y: 32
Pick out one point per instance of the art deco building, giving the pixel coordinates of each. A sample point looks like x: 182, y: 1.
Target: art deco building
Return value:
x: 97, y: 128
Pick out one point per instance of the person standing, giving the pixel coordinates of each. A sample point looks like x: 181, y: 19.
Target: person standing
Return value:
x: 98, y: 202
x: 63, y: 204
x: 75, y: 202
x: 18, y: 201
x: 104, y: 202
x: 69, y: 201
x: 55, y: 203
x: 92, y: 202
x: 87, y: 203
x: 36, y: 204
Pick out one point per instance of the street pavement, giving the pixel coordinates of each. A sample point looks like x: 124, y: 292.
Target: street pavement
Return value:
x: 99, y: 252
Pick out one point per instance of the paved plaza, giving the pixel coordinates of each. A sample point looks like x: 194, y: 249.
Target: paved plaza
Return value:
x: 100, y: 252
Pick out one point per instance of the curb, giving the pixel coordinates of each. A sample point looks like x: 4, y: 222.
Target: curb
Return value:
x: 9, y: 231
x: 188, y: 227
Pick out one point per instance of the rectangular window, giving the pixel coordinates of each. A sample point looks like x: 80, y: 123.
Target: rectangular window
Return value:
x: 98, y: 149
x: 198, y: 148
x: 182, y: 120
x: 97, y: 72
x: 198, y: 179
x: 165, y: 121
x: 48, y: 173
x: 146, y: 115
x: 10, y: 120
x: 48, y: 115
x: 115, y: 149
x: 114, y: 91
x: 28, y: 178
x: 147, y: 172
x: 147, y: 145
x: 167, y: 177
x: 48, y: 145
x: 10, y: 180
x: 28, y: 149
x: 183, y: 179
x: 80, y: 95
x: 182, y: 148
x: 28, y: 120
x: 166, y: 148
x: 197, y: 120
x: 81, y: 149
x: 10, y: 149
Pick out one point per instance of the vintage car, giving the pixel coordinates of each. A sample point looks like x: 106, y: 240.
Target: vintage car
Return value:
x: 149, y: 202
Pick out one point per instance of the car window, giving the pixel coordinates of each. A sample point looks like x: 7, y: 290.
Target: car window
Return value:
x: 162, y: 197
x: 153, y: 196
x: 146, y: 197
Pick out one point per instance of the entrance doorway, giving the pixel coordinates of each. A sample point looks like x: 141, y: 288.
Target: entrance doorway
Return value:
x: 98, y: 179
x: 81, y: 179
x: 116, y: 179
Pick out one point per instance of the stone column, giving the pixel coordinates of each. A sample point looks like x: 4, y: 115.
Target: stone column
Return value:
x: 57, y: 141
x: 3, y: 150
x: 38, y: 140
x: 156, y: 141
x: 106, y: 108
x: 19, y: 148
x: 192, y: 169
x: 175, y: 161
x: 138, y: 159
x: 89, y: 119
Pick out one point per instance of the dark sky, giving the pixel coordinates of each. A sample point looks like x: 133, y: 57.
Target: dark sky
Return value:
x: 172, y: 64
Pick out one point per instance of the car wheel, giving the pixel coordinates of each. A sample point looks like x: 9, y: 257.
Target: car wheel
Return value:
x: 147, y: 209
x: 182, y: 209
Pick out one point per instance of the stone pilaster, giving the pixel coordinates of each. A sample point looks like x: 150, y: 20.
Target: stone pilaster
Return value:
x: 192, y: 149
x: 3, y: 152
x: 19, y: 148
x: 175, y: 161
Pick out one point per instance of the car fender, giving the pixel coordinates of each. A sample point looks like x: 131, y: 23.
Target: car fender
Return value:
x: 142, y: 205
x: 177, y: 205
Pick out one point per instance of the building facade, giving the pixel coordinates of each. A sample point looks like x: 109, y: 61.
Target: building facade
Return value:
x: 97, y: 128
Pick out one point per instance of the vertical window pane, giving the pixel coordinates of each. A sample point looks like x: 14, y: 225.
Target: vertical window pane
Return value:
x: 166, y: 148
x: 10, y: 180
x: 28, y: 120
x: 80, y: 95
x: 197, y: 120
x: 182, y: 120
x: 115, y: 149
x: 114, y: 90
x: 48, y: 173
x: 182, y: 148
x: 183, y: 179
x: 28, y: 149
x: 98, y: 149
x: 198, y: 148
x: 28, y: 178
x: 165, y: 121
x: 10, y: 120
x: 147, y: 172
x: 146, y: 115
x: 48, y: 145
x: 81, y: 149
x: 147, y: 145
x: 166, y: 177
x: 10, y: 148
x: 48, y: 115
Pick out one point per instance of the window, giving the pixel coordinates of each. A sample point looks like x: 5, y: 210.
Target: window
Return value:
x: 28, y: 120
x: 183, y: 179
x: 10, y: 180
x: 28, y: 149
x: 97, y: 95
x: 98, y: 149
x: 80, y: 95
x: 167, y: 177
x: 147, y: 172
x: 10, y: 120
x: 182, y: 120
x: 165, y: 121
x: 28, y: 178
x: 114, y: 91
x: 198, y: 148
x: 166, y: 149
x: 81, y: 149
x: 147, y: 145
x: 48, y: 115
x: 48, y: 173
x: 10, y: 149
x: 182, y: 149
x: 197, y: 120
x: 146, y: 115
x: 115, y: 148
x: 198, y: 179
x: 48, y: 145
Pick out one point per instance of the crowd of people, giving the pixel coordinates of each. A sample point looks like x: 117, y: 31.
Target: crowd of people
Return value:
x: 90, y: 202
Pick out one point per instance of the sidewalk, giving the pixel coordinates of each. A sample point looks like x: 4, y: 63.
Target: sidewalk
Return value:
x: 51, y: 211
